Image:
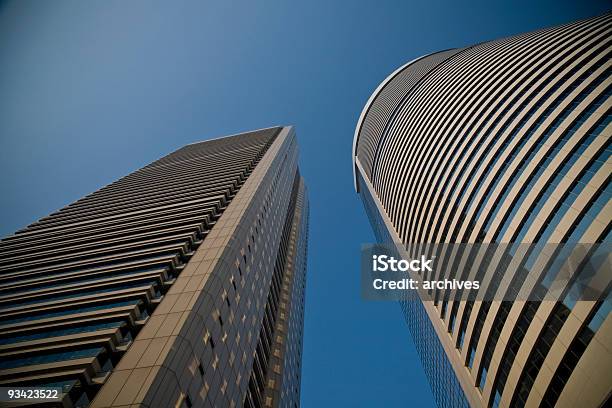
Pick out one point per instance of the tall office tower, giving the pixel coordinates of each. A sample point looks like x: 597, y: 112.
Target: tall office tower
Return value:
x: 502, y: 142
x: 179, y: 285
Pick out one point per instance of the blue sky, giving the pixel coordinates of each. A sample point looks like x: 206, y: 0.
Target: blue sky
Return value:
x: 91, y: 91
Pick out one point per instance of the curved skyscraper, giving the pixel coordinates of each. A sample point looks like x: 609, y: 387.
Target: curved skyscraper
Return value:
x: 506, y: 141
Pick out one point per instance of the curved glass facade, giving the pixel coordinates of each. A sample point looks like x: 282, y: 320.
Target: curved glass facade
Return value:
x: 507, y: 141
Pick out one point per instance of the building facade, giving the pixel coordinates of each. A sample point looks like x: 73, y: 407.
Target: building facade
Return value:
x: 507, y: 141
x: 179, y: 285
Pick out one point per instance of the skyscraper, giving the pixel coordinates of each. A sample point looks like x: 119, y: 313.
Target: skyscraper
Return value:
x: 502, y: 142
x: 181, y: 284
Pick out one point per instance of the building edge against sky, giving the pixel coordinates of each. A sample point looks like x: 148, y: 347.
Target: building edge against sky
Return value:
x: 181, y: 284
x: 504, y: 141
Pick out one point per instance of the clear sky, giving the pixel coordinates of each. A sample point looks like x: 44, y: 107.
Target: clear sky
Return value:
x: 90, y: 91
